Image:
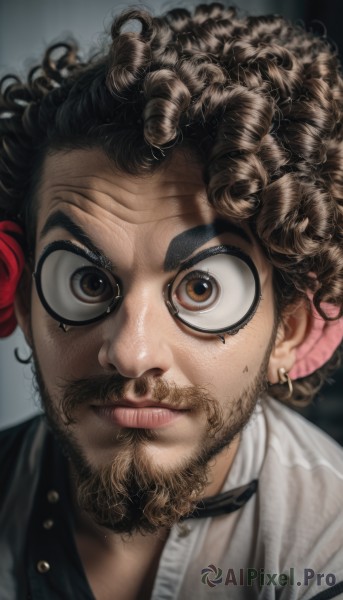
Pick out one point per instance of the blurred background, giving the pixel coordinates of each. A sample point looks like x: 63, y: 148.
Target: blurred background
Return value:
x: 26, y: 28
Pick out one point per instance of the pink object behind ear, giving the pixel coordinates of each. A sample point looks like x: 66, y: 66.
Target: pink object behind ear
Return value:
x: 321, y: 342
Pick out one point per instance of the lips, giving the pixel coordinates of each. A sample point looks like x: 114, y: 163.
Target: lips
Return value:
x: 145, y: 414
x: 137, y: 404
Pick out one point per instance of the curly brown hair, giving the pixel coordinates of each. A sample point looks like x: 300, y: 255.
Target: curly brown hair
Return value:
x: 256, y: 99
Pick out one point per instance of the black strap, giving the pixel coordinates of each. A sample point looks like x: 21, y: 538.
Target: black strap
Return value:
x: 331, y: 592
x: 224, y: 503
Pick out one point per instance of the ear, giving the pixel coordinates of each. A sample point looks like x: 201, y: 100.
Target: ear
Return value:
x: 22, y: 303
x: 291, y: 332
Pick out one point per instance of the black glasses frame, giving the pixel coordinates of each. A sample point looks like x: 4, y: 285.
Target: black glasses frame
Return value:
x: 93, y: 258
x: 232, y: 251
x: 88, y: 255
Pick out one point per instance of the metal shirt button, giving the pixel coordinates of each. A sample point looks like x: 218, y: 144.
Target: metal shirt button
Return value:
x: 48, y: 524
x: 53, y: 496
x: 43, y: 566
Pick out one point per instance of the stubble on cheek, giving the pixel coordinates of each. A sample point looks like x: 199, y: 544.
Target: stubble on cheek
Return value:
x: 130, y: 493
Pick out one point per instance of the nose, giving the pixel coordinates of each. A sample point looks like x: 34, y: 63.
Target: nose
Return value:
x: 136, y: 338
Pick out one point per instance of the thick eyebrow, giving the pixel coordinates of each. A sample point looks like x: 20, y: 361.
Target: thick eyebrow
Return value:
x: 59, y: 219
x: 185, y: 243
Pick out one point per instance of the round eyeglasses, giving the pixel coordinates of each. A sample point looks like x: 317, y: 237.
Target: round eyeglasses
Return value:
x: 216, y: 291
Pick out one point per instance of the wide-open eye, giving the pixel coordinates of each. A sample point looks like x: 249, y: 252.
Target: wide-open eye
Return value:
x: 71, y: 287
x: 197, y: 291
x: 216, y: 291
x: 89, y: 284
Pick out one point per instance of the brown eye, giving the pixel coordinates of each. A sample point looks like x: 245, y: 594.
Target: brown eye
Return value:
x: 218, y: 291
x: 73, y: 287
x: 91, y: 285
x: 197, y: 291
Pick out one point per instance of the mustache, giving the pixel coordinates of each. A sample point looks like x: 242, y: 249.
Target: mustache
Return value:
x: 112, y: 389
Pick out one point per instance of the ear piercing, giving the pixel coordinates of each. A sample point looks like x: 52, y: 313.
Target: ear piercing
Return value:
x: 63, y: 327
x: 22, y: 361
x: 285, y: 378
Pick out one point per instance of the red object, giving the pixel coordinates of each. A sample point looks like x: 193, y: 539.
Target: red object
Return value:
x: 12, y: 262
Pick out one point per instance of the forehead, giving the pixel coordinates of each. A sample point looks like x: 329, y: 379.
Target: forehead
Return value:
x: 140, y: 215
x: 88, y: 180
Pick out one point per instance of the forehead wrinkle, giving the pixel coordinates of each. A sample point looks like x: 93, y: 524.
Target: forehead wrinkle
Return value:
x: 112, y: 239
x: 131, y: 184
x: 66, y: 182
x: 104, y: 201
x: 142, y: 194
x: 85, y: 221
x: 61, y: 220
x: 126, y: 213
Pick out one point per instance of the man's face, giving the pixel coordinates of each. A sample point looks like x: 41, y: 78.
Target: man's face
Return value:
x: 144, y: 391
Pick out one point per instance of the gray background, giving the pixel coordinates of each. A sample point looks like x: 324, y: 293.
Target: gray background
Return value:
x: 26, y: 28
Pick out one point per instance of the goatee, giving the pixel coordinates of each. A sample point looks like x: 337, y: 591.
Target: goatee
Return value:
x: 132, y: 494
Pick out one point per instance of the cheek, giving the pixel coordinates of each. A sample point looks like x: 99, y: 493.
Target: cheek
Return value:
x: 234, y: 365
x: 224, y: 368
x: 70, y: 355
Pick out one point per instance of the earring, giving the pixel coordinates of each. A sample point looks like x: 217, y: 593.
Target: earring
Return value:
x: 285, y: 378
x: 63, y: 327
x: 22, y: 361
x: 222, y: 338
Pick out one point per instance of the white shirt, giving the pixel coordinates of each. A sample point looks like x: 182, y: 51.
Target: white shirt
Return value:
x: 293, y: 525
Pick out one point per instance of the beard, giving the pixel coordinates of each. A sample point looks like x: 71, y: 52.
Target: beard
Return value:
x: 132, y: 494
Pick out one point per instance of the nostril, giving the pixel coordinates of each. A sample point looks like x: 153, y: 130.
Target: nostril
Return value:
x: 110, y: 368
